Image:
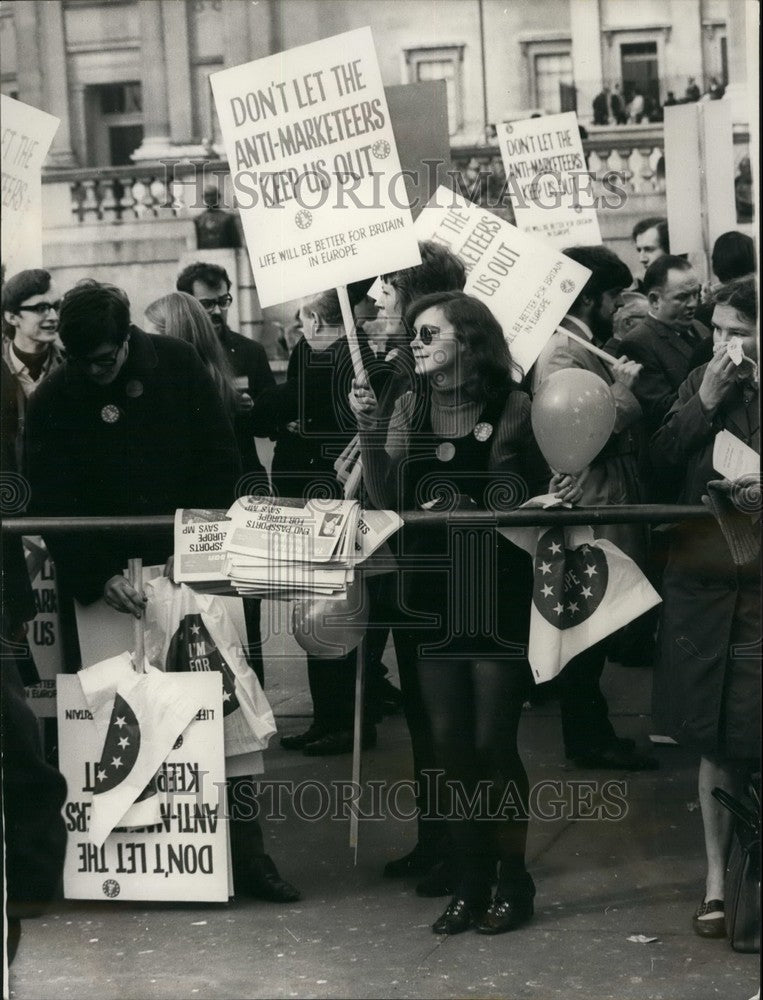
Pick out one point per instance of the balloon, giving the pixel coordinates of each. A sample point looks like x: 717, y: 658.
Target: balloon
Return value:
x: 572, y: 415
x: 332, y: 627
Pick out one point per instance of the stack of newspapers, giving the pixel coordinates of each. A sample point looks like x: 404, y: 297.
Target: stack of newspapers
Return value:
x: 278, y: 548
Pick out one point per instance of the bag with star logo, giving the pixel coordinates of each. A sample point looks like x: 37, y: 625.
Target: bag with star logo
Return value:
x: 584, y: 589
x: 191, y: 631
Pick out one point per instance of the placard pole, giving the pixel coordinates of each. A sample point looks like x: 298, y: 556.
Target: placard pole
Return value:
x: 357, y: 744
x: 589, y: 346
x: 135, y: 572
x: 352, y: 334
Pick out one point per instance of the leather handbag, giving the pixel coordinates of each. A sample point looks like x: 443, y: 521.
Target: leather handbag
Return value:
x: 743, y: 874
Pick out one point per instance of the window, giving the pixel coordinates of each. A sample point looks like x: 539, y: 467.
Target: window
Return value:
x: 121, y: 98
x: 553, y: 73
x: 638, y: 67
x: 443, y: 63
x: 113, y: 122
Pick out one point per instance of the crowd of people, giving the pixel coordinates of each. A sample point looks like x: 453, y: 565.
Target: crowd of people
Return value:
x: 612, y: 107
x: 104, y: 416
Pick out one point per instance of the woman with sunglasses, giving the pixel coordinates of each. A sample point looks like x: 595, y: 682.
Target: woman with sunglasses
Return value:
x: 462, y: 439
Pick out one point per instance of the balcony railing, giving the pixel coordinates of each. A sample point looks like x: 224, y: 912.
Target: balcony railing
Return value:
x: 173, y: 188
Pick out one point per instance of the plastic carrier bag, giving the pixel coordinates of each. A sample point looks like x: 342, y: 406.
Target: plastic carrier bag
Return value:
x: 186, y: 630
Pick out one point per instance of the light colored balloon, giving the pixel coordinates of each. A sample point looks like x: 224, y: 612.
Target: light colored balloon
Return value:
x: 331, y: 628
x: 573, y: 414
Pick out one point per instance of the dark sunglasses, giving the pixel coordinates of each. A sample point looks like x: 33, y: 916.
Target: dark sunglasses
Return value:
x: 209, y: 304
x: 41, y: 307
x: 427, y: 334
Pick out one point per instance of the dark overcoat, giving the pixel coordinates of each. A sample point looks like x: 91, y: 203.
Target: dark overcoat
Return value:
x: 707, y: 682
x: 154, y: 440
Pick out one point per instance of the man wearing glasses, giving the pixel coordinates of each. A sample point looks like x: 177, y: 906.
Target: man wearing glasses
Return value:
x: 30, y: 328
x: 30, y: 352
x: 210, y: 284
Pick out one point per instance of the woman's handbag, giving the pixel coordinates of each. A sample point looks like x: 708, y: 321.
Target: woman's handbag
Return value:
x: 743, y: 874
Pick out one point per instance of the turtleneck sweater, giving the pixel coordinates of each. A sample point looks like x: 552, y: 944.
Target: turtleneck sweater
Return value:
x: 453, y: 415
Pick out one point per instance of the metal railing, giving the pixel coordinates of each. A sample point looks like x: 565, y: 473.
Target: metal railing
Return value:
x: 163, y: 523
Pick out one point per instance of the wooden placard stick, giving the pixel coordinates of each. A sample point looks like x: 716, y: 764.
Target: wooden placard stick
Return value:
x: 135, y: 574
x: 588, y: 346
x: 352, y: 334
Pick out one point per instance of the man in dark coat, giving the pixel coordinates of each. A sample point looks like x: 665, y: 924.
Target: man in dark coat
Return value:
x: 669, y: 342
x: 132, y: 424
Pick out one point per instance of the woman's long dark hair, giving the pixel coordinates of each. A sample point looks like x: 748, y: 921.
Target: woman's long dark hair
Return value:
x: 487, y: 362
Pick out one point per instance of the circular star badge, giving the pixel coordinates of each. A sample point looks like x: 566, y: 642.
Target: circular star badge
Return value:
x: 110, y: 414
x: 445, y: 451
x: 483, y: 431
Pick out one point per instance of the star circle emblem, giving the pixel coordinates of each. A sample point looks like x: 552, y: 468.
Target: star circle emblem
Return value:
x: 110, y: 413
x: 381, y: 149
x: 567, y: 286
x: 303, y: 219
x: 483, y: 431
x: 111, y: 888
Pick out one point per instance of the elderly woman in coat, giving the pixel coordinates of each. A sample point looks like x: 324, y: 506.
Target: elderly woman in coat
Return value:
x: 707, y: 686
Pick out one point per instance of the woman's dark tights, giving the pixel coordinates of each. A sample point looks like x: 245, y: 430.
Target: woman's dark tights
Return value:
x: 474, y: 707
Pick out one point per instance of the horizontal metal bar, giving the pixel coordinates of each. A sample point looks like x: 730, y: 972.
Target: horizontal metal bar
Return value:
x: 163, y: 523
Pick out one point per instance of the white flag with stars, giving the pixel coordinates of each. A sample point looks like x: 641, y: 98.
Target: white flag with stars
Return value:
x: 150, y: 712
x: 584, y: 589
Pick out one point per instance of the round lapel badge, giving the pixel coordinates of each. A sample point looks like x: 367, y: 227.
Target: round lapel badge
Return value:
x: 134, y: 388
x: 483, y: 431
x: 445, y: 451
x: 110, y: 414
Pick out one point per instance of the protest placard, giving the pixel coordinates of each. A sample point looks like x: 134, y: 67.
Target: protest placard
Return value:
x: 314, y: 167
x: 44, y: 636
x: 526, y: 283
x: 185, y: 856
x: 548, y: 181
x: 419, y: 113
x: 699, y: 175
x: 26, y: 137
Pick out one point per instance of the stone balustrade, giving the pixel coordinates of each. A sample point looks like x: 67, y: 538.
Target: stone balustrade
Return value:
x: 173, y: 188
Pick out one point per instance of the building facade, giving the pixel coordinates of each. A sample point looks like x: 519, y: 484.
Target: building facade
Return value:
x: 129, y: 78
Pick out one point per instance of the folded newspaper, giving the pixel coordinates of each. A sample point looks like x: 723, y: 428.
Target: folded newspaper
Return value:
x: 285, y: 548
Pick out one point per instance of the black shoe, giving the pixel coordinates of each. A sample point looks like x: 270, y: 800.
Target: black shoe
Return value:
x: 340, y: 742
x: 712, y: 926
x: 617, y: 757
x: 437, y: 882
x: 261, y: 880
x: 412, y: 865
x: 300, y: 741
x: 505, y: 914
x: 458, y: 917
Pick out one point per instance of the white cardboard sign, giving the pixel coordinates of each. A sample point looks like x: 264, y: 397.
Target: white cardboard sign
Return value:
x: 26, y: 135
x: 699, y: 174
x: 546, y: 177
x: 315, y: 168
x: 526, y: 283
x: 186, y: 857
x: 44, y: 636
